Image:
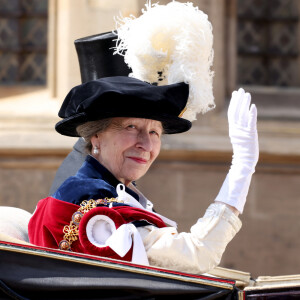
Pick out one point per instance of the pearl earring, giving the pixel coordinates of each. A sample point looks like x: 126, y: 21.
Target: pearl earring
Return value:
x: 95, y: 150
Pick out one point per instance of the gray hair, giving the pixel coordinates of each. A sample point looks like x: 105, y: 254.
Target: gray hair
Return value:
x: 89, y: 129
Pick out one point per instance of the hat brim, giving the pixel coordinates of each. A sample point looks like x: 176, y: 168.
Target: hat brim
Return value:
x: 171, y: 124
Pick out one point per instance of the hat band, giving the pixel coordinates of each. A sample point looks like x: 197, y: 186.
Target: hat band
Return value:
x: 182, y: 112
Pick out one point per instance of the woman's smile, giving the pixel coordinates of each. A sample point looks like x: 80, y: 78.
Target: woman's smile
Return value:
x: 138, y: 159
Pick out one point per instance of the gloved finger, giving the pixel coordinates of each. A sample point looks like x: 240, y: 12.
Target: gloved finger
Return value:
x: 239, y: 102
x: 244, y: 109
x: 232, y: 105
x: 252, y: 117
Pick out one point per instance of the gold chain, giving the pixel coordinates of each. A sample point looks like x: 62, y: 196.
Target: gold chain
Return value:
x: 71, y: 231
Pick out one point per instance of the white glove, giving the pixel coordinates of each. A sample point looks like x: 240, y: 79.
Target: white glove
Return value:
x: 244, y: 140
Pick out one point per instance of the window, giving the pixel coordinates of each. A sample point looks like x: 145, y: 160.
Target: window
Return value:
x: 267, y: 45
x: 23, y: 42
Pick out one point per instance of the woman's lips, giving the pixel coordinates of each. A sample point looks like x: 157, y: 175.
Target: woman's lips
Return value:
x: 138, y: 159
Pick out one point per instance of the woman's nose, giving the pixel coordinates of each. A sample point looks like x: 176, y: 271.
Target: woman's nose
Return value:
x: 144, y: 141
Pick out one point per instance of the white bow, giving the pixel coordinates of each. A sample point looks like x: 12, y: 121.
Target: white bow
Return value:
x: 121, y: 241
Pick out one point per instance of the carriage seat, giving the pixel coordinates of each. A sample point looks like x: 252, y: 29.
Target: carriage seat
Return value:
x: 14, y: 225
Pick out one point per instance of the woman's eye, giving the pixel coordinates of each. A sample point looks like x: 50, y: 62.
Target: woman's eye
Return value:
x: 131, y: 126
x: 153, y: 132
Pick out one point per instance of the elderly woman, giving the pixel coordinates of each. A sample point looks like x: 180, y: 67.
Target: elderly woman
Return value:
x: 100, y: 211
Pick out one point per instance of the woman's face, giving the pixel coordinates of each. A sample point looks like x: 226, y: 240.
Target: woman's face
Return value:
x: 128, y: 147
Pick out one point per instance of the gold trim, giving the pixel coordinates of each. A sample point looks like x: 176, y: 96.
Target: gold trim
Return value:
x: 71, y: 231
x: 113, y: 265
x: 241, y: 295
x: 182, y: 112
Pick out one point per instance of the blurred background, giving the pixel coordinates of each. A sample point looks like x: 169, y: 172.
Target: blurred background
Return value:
x: 256, y: 46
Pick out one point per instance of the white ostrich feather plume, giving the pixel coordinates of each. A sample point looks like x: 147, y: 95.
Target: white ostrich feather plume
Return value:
x: 169, y: 44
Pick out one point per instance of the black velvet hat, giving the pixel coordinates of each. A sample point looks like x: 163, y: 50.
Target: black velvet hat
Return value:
x: 122, y: 96
x: 96, y: 58
x: 107, y: 91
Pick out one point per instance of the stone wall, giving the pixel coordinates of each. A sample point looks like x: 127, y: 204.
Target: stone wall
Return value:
x: 71, y: 20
